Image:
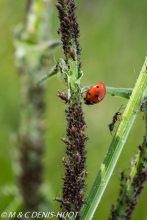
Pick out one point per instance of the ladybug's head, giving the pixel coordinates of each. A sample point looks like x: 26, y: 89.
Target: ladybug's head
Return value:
x: 86, y: 102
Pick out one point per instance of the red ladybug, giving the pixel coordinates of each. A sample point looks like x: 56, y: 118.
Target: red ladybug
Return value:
x: 95, y: 94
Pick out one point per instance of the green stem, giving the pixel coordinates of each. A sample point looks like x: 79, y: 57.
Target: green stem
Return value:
x: 131, y: 185
x: 119, y: 92
x: 73, y: 74
x: 116, y: 146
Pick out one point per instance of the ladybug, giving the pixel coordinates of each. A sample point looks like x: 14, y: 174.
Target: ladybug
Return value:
x: 95, y: 94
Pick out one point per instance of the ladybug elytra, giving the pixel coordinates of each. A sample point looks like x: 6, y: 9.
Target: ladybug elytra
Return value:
x: 95, y: 94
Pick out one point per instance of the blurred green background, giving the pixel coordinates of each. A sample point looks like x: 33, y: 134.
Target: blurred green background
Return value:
x: 114, y: 44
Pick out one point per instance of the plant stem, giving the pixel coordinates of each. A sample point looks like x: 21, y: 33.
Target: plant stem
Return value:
x: 131, y: 185
x: 75, y: 162
x: 116, y: 146
x: 119, y: 92
x: 32, y: 56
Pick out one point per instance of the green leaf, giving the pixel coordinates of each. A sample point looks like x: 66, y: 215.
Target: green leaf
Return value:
x: 53, y: 72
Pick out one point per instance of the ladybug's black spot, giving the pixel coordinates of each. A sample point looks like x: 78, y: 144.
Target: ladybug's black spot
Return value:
x: 97, y: 86
x: 89, y: 93
x: 96, y: 95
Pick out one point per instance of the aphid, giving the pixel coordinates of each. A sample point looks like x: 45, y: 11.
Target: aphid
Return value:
x: 83, y: 129
x: 63, y: 96
x: 80, y: 65
x: 72, y: 54
x: 78, y: 157
x: 66, y: 202
x: 95, y: 94
x: 143, y: 105
x: 60, y: 67
x: 58, y: 31
x: 116, y: 118
x: 83, y: 174
x: 65, y: 140
x: 58, y: 199
x: 66, y: 19
x: 73, y: 130
x: 59, y: 6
